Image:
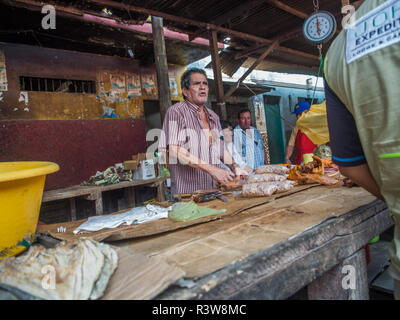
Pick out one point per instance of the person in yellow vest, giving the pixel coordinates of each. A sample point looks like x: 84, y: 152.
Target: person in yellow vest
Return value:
x: 362, y: 75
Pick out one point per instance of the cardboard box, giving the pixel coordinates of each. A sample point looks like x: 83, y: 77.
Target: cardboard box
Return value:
x: 145, y: 170
x: 131, y: 165
x: 143, y: 156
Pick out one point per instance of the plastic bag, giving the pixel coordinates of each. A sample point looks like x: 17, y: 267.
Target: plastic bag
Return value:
x: 265, y: 189
x: 261, y: 189
x: 272, y: 168
x: 188, y: 211
x: 314, y: 124
x: 267, y: 177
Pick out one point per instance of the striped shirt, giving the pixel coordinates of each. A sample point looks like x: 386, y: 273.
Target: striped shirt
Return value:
x: 250, y: 148
x: 183, y: 127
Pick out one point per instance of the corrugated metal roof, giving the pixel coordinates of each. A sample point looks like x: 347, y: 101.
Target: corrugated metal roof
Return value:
x: 260, y: 18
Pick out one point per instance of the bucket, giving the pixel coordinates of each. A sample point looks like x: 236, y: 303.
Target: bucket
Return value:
x: 21, y: 191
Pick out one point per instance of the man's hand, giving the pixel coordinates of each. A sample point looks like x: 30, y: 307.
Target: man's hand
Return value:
x: 239, y: 172
x: 248, y: 169
x: 287, y: 161
x: 221, y: 175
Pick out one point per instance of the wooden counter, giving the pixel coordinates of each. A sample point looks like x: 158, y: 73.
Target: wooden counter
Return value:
x: 309, y: 238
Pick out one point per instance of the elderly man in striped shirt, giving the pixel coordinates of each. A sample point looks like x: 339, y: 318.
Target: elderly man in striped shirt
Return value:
x: 191, y: 139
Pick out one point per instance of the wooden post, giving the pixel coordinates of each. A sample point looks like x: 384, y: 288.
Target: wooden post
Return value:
x: 72, y: 204
x: 249, y: 70
x: 219, y: 88
x: 160, y: 57
x: 346, y: 281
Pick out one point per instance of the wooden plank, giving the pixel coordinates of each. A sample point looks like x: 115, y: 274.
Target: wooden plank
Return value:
x: 346, y: 281
x: 289, y: 9
x: 164, y: 225
x: 280, y: 271
x: 76, y: 191
x: 249, y: 70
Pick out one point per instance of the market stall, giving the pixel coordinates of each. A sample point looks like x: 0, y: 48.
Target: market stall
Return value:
x: 265, y: 247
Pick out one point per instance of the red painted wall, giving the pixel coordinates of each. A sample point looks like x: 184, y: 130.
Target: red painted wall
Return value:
x: 78, y: 147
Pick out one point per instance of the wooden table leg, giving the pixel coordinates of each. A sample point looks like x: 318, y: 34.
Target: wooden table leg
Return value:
x: 99, y: 205
x: 346, y: 281
x: 130, y: 195
x: 160, y: 192
x: 98, y: 198
x: 72, y: 204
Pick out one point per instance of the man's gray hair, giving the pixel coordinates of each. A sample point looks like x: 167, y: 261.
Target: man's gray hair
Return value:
x: 185, y: 79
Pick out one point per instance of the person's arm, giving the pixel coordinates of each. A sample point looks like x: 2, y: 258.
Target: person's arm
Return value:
x: 347, y: 151
x: 185, y: 157
x: 291, y: 144
x: 229, y: 161
x: 363, y: 177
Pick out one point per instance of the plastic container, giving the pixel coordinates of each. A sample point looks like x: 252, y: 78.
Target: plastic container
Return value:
x: 21, y: 191
x: 308, y: 157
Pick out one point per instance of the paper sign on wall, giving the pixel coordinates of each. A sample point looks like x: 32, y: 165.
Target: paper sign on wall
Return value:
x: 173, y: 86
x: 117, y: 83
x: 149, y: 84
x: 133, y: 84
x: 3, y: 74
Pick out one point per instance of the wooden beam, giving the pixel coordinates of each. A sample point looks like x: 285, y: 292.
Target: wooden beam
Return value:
x: 238, y: 11
x: 249, y: 70
x: 286, y: 36
x: 219, y: 89
x: 291, y: 10
x: 160, y: 57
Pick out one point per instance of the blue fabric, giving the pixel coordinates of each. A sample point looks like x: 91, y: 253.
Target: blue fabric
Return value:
x: 349, y: 159
x: 250, y: 148
x: 301, y: 107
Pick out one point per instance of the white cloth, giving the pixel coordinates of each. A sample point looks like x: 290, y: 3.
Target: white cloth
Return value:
x: 133, y: 216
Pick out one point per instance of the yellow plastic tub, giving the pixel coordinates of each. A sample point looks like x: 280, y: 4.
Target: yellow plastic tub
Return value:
x: 21, y: 191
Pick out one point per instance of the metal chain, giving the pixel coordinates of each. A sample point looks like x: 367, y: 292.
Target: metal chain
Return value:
x: 316, y: 5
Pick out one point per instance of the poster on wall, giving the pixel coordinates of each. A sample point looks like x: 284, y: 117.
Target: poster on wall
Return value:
x: 3, y: 74
x: 133, y: 85
x: 117, y: 83
x: 149, y: 85
x: 173, y: 86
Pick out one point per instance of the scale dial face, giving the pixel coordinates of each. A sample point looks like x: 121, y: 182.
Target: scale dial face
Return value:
x: 319, y: 27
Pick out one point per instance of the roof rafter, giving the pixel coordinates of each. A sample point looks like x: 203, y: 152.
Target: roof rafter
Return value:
x: 207, y: 26
x: 227, y: 16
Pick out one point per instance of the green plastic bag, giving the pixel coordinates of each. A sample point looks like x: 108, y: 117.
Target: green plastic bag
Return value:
x: 188, y: 211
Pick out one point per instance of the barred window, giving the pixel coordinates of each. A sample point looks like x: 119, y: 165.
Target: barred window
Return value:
x: 56, y: 85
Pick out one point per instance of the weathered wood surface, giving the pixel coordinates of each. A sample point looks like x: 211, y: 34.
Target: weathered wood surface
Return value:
x: 163, y: 225
x: 281, y: 270
x: 95, y: 193
x: 346, y: 281
x: 76, y: 191
x: 207, y: 247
